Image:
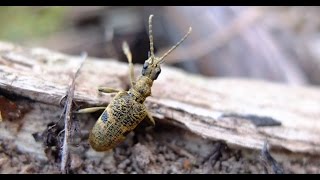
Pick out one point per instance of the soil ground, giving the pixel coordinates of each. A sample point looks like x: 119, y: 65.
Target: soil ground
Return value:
x: 162, y: 149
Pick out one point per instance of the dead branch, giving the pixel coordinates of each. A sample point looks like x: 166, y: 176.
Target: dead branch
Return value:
x: 65, y: 157
x: 240, y: 112
x: 269, y: 163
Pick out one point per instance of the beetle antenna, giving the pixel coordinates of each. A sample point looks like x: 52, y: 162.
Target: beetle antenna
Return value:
x: 151, y: 38
x: 175, y: 46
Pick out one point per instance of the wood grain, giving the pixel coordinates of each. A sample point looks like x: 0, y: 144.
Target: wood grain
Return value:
x: 240, y: 112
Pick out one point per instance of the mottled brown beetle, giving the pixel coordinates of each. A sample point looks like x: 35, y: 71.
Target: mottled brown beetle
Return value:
x: 127, y: 108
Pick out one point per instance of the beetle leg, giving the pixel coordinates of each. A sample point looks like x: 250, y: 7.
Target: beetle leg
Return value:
x: 90, y: 110
x: 108, y: 90
x: 150, y: 119
x: 127, y: 52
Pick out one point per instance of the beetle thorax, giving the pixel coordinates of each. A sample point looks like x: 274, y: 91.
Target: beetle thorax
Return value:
x: 142, y: 88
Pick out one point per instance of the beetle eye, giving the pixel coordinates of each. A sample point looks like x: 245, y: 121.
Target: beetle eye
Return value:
x: 145, y: 65
x: 158, y: 71
x: 144, y: 69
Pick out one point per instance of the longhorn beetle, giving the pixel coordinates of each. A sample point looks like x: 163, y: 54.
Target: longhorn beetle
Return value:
x: 127, y: 109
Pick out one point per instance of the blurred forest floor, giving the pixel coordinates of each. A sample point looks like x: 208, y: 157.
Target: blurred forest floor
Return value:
x: 280, y: 44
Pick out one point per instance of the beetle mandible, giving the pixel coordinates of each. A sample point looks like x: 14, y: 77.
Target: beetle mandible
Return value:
x: 127, y: 109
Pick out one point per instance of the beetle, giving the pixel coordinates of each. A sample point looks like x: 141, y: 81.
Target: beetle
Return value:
x: 127, y: 109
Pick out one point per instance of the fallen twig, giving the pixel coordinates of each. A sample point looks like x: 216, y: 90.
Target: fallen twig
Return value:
x: 269, y: 163
x: 65, y: 155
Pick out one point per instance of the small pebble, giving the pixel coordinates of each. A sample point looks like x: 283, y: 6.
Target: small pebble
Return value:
x: 161, y: 158
x: 129, y: 169
x: 27, y: 169
x: 142, y: 155
x: 124, y: 164
x: 312, y: 170
x: 3, y: 160
x: 76, y: 161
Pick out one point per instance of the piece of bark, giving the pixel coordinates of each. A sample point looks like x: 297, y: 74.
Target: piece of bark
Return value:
x: 238, y: 111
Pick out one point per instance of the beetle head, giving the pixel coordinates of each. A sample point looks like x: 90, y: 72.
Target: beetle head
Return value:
x: 151, y: 67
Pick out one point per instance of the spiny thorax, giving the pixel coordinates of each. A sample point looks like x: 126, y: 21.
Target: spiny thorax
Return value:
x: 141, y: 89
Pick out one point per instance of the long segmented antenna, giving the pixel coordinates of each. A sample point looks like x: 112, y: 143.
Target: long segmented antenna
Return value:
x: 151, y: 38
x: 175, y: 46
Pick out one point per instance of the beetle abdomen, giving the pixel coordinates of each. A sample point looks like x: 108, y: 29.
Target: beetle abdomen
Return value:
x: 122, y: 115
x: 105, y: 134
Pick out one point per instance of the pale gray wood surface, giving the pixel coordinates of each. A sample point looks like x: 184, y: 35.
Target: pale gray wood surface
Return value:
x: 218, y: 109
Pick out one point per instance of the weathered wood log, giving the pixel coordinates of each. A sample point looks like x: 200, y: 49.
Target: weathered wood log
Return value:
x: 240, y: 112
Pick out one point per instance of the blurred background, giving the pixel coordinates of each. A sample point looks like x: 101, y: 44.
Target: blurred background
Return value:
x: 278, y: 44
